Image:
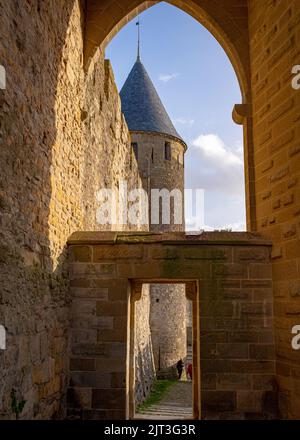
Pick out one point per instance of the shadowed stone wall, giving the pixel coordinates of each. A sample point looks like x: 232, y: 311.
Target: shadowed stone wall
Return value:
x: 144, y: 360
x: 62, y: 138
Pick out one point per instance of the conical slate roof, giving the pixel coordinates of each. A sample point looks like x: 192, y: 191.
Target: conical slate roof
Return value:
x: 141, y: 105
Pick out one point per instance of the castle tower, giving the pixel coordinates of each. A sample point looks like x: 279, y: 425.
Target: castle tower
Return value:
x: 159, y: 150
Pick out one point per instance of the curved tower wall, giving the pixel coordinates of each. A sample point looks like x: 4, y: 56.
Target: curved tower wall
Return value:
x: 157, y: 172
x: 167, y: 302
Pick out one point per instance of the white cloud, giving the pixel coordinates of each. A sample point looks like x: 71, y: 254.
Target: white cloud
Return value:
x: 237, y: 226
x: 166, y: 77
x: 215, y: 166
x: 217, y: 169
x: 184, y: 121
x: 214, y: 150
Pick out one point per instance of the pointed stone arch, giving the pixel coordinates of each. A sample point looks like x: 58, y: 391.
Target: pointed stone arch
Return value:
x: 227, y: 22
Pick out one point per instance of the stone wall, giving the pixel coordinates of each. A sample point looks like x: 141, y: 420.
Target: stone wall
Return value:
x: 275, y: 49
x: 234, y: 308
x: 145, y: 372
x: 40, y: 207
x: 109, y: 158
x: 168, y: 323
x: 158, y: 173
x: 62, y: 138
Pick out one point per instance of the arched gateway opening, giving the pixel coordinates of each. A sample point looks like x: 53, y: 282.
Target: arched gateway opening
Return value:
x: 163, y: 314
x: 60, y: 125
x: 209, y: 266
x: 228, y: 24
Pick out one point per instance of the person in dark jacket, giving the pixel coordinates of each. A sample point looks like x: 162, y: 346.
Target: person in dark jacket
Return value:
x: 179, y: 367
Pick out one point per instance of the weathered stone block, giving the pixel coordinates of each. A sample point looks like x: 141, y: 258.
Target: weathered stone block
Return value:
x: 84, y: 335
x: 95, y: 270
x: 218, y: 401
x: 111, y: 365
x: 83, y: 307
x: 81, y: 254
x: 237, y: 294
x: 252, y: 366
x: 233, y: 351
x: 216, y: 308
x: 117, y: 252
x: 79, y: 398
x: 256, y: 284
x: 229, y: 381
x: 249, y: 401
x: 207, y: 337
x: 90, y: 379
x: 41, y: 373
x: 244, y: 336
x: 260, y: 271
x: 92, y: 322
x: 35, y: 348
x: 118, y: 380
x: 253, y: 254
x: 206, y: 253
x: 100, y: 293
x: 114, y: 398
x: 209, y: 366
x: 234, y: 270
x: 114, y: 335
x: 262, y: 351
x: 263, y: 382
x: 208, y: 381
x: 258, y: 308
x: 164, y: 253
x: 82, y: 364
x: 112, y: 308
x: 96, y: 349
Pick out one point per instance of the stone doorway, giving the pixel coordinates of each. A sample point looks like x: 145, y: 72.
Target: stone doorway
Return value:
x: 228, y: 277
x: 192, y: 294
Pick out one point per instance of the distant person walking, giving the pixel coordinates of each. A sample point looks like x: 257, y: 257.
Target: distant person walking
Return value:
x: 179, y: 367
x: 189, y: 371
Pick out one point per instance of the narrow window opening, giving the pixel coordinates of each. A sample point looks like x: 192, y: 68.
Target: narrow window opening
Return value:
x: 167, y: 151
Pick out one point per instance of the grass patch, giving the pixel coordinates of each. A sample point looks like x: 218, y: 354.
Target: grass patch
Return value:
x: 160, y: 387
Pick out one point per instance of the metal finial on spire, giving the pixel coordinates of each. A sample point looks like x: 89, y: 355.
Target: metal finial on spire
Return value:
x: 138, y: 48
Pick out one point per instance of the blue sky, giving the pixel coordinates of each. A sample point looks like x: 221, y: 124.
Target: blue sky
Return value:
x: 198, y: 86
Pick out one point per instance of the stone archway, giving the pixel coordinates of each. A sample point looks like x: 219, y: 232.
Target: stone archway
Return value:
x: 232, y: 318
x: 43, y: 126
x: 227, y: 23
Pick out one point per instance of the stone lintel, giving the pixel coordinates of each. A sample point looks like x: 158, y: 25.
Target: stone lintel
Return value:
x: 178, y: 238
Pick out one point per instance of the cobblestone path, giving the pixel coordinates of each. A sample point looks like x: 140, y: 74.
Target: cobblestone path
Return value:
x: 176, y: 404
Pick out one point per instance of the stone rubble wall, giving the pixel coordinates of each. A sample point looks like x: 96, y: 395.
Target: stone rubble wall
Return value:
x: 145, y: 372
x: 168, y: 324
x: 62, y: 137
